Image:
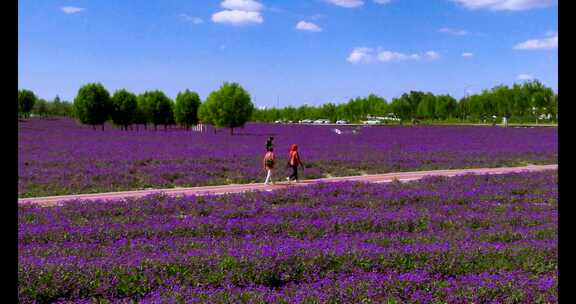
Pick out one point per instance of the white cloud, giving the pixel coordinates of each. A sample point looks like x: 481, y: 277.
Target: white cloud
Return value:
x: 242, y: 5
x: 451, y: 31
x: 432, y: 55
x: 525, y: 77
x: 308, y: 26
x: 347, y: 3
x: 389, y: 56
x: 467, y: 55
x: 361, y: 55
x: 194, y: 20
x: 237, y: 17
x: 511, y: 5
x: 71, y: 9
x: 539, y: 44
x: 370, y: 55
x: 382, y: 1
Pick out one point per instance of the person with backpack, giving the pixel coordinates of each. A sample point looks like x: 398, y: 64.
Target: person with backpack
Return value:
x: 294, y: 161
x: 268, y: 164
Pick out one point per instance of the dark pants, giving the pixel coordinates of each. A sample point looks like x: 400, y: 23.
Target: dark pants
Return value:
x: 294, y: 173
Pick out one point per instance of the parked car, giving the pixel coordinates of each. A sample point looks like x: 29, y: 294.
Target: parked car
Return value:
x: 278, y: 121
x: 372, y: 122
x: 306, y: 121
x: 341, y: 122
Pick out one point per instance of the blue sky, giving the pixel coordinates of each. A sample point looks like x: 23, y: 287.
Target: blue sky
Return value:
x: 286, y: 52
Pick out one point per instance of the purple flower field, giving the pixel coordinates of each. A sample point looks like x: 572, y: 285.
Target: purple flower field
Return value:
x: 62, y: 157
x: 468, y: 239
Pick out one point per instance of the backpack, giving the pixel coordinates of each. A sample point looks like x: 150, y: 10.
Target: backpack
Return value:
x: 269, y: 161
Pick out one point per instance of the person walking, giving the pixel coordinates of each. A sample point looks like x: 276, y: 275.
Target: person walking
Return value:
x: 294, y: 161
x: 268, y: 164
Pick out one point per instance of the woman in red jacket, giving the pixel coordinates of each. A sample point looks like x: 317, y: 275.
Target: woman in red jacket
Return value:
x: 294, y: 161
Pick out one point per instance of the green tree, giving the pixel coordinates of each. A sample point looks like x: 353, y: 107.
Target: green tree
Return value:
x: 158, y: 108
x: 67, y: 109
x: 463, y: 108
x: 124, y: 105
x: 230, y: 107
x: 503, y: 98
x: 186, y: 108
x: 40, y: 108
x: 413, y: 98
x: 540, y: 96
x: 554, y: 107
x: 401, y: 107
x: 521, y: 102
x: 143, y: 113
x: 56, y: 108
x: 328, y: 111
x: 445, y: 106
x: 26, y: 100
x: 92, y: 104
x: 427, y: 107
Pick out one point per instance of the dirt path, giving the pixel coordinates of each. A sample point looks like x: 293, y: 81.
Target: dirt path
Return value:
x: 376, y: 178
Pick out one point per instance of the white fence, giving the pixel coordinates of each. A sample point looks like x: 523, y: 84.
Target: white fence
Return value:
x: 199, y: 128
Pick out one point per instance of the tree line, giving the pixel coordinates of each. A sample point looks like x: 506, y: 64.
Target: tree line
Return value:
x: 30, y: 104
x: 521, y: 102
x: 228, y: 107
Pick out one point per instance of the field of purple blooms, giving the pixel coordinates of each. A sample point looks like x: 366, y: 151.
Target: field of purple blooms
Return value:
x: 62, y: 157
x: 467, y: 239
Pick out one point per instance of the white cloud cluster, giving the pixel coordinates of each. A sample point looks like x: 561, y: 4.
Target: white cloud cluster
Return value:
x: 525, y: 77
x: 370, y: 55
x: 308, y: 26
x: 501, y: 5
x: 71, y: 9
x: 239, y: 12
x: 467, y: 55
x: 539, y: 44
x: 347, y: 3
x: 452, y: 31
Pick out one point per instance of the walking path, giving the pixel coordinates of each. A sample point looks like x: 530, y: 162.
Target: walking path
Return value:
x: 376, y: 178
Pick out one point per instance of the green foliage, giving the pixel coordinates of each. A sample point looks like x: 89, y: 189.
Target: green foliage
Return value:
x: 413, y: 99
x: 92, y: 104
x: 230, y: 107
x: 401, y: 107
x: 26, y: 100
x: 446, y: 107
x: 354, y: 110
x: 520, y: 103
x: 427, y: 106
x: 40, y: 108
x: 124, y: 106
x: 143, y: 113
x: 186, y: 108
x: 156, y: 108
